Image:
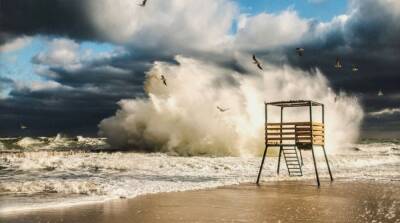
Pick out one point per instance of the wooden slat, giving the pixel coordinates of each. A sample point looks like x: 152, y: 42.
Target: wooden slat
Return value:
x: 282, y: 138
x: 279, y: 130
x: 288, y: 128
x: 283, y: 133
x: 295, y: 123
x: 287, y: 138
x: 303, y: 134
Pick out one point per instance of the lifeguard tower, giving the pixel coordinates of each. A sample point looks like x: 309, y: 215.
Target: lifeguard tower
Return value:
x: 293, y: 137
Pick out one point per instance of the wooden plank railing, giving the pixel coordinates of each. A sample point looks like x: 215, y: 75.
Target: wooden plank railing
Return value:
x: 295, y: 133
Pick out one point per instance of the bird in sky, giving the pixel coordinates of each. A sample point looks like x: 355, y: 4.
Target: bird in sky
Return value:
x: 355, y: 68
x: 143, y: 4
x: 164, y: 80
x: 255, y: 61
x: 300, y: 51
x: 222, y: 109
x: 23, y: 127
x: 380, y: 93
x: 338, y: 64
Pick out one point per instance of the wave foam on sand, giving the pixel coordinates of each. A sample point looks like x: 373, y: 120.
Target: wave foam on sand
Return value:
x: 77, y: 177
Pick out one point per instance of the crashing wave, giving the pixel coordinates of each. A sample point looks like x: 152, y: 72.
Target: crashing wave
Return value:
x: 58, y: 142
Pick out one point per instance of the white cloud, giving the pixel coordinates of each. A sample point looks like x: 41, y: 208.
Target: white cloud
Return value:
x: 39, y: 85
x: 68, y: 54
x: 60, y: 52
x: 385, y: 112
x: 15, y: 44
x: 173, y: 24
x: 270, y: 30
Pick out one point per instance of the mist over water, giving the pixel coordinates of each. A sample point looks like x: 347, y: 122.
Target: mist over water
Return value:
x: 182, y: 118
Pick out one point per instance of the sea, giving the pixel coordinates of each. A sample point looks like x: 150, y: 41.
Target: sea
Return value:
x: 48, y: 172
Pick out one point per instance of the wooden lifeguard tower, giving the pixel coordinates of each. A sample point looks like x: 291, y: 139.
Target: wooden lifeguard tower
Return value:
x: 293, y: 137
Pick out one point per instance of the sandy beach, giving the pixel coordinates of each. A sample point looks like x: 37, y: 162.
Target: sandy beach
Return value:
x: 365, y: 201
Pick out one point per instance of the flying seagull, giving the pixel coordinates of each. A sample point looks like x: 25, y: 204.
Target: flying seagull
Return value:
x: 380, y: 93
x: 355, y: 68
x: 255, y: 61
x: 23, y: 127
x: 222, y: 109
x: 338, y: 64
x: 300, y: 51
x: 143, y: 4
x: 164, y: 80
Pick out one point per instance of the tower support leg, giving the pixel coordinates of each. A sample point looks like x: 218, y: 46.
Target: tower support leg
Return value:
x: 262, y: 164
x: 315, y: 165
x: 327, y: 163
x: 279, y: 160
x: 301, y: 157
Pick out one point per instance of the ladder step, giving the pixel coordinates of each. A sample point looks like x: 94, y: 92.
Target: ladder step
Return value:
x: 292, y: 161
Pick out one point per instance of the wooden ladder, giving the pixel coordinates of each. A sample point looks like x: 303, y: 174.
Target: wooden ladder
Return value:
x: 292, y: 161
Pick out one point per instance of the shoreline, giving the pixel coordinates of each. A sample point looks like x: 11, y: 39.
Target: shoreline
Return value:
x: 87, y: 200
x: 364, y: 197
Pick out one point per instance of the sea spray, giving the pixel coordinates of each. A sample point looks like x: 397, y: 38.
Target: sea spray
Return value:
x: 181, y: 116
x: 343, y: 113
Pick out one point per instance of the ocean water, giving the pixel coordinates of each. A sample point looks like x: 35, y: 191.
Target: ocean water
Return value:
x: 58, y: 171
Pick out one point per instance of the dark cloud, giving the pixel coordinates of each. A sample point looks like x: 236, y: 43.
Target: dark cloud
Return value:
x: 370, y: 38
x: 5, y: 80
x: 76, y: 101
x: 71, y: 111
x: 53, y: 17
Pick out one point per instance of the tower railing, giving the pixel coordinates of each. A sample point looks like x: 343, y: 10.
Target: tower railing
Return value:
x: 291, y: 137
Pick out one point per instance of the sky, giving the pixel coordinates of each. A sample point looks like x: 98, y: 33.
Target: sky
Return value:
x: 64, y: 65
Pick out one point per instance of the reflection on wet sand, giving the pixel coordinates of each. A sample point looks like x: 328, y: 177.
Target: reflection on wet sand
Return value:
x: 272, y: 202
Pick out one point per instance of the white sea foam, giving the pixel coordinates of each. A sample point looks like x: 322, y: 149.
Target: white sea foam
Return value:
x: 28, y: 142
x: 101, y: 176
x: 59, y: 142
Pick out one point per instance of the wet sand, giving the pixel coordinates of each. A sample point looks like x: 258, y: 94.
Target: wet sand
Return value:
x: 271, y: 202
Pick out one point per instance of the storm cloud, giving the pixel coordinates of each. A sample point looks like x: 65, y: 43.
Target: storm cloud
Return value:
x: 80, y: 88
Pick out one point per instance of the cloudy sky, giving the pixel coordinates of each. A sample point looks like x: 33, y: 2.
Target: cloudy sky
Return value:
x: 64, y: 64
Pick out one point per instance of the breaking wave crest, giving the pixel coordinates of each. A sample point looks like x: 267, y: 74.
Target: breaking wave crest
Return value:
x: 183, y: 116
x: 58, y: 142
